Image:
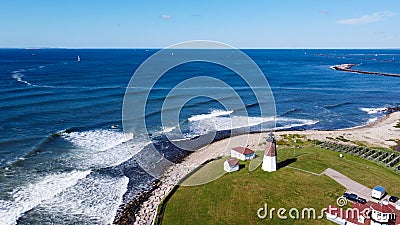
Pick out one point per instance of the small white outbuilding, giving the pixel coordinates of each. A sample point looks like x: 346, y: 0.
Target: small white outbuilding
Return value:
x: 242, y: 153
x: 378, y: 192
x: 231, y: 165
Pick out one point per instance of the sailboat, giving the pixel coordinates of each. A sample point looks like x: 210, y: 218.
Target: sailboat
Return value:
x: 79, y: 59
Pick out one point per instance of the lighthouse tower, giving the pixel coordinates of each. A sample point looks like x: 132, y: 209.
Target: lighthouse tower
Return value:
x: 270, y: 161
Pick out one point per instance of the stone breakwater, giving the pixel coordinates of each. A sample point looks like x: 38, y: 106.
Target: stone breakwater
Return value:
x: 148, y: 210
x: 143, y: 208
x: 349, y: 68
x: 126, y: 214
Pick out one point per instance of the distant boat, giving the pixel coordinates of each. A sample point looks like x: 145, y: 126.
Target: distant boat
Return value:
x: 114, y: 127
x: 79, y: 59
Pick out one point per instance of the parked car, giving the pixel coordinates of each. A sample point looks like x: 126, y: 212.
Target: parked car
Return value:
x: 361, y: 200
x: 352, y: 197
x: 393, y: 199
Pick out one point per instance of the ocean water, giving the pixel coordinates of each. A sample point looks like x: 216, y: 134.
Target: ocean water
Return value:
x: 61, y: 162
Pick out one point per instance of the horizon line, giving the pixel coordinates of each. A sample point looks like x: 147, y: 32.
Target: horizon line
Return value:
x: 245, y: 48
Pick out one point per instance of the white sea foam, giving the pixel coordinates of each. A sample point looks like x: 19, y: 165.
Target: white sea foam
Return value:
x: 169, y: 129
x: 95, y: 139
x: 101, y: 148
x: 214, y: 113
x: 238, y: 122
x: 292, y: 122
x: 27, y: 197
x: 17, y: 75
x: 207, y: 124
x: 68, y: 194
x: 97, y: 197
x: 373, y: 110
x: 371, y: 120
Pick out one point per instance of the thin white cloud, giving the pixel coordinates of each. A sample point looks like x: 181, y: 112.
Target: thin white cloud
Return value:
x: 371, y: 18
x: 166, y: 17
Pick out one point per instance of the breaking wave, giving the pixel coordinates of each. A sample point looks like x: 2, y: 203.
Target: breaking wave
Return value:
x: 27, y: 197
x: 372, y: 120
x: 214, y: 113
x: 95, y: 198
x: 101, y: 148
x: 18, y: 76
x: 206, y: 123
x: 373, y: 110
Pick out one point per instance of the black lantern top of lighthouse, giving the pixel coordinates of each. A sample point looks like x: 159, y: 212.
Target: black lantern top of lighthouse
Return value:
x: 271, y: 137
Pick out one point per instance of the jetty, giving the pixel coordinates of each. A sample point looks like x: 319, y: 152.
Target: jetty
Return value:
x: 349, y: 68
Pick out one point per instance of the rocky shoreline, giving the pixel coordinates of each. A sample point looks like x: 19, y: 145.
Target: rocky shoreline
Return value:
x: 348, y: 68
x: 127, y: 213
x: 147, y: 211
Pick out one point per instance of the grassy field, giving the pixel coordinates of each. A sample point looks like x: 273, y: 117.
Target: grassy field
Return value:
x: 235, y: 198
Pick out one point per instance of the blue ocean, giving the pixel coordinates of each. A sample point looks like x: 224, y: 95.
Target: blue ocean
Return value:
x: 64, y: 157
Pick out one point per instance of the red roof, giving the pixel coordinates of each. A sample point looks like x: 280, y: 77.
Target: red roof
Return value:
x: 232, y: 162
x: 362, y: 209
x: 360, y: 206
x: 243, y: 150
x: 348, y: 215
x: 270, y: 149
x: 382, y: 208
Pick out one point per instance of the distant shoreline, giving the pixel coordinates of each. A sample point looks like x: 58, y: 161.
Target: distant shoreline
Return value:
x: 348, y: 68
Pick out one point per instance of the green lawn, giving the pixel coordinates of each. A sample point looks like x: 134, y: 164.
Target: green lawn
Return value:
x: 235, y: 198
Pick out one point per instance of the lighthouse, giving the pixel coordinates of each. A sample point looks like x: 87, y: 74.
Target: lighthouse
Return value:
x: 270, y: 161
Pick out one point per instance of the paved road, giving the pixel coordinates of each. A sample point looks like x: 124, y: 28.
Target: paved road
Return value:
x: 351, y: 185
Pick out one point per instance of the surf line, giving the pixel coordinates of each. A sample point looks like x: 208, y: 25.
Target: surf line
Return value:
x: 348, y: 68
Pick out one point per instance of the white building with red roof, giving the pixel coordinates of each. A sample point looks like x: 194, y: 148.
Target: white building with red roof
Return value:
x: 231, y: 165
x: 242, y: 153
x: 372, y: 213
x: 383, y: 213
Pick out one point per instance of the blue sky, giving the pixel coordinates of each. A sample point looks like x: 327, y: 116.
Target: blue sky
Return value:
x: 243, y: 24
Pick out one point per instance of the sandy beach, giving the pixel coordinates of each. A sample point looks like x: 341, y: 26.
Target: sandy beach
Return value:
x: 381, y: 133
